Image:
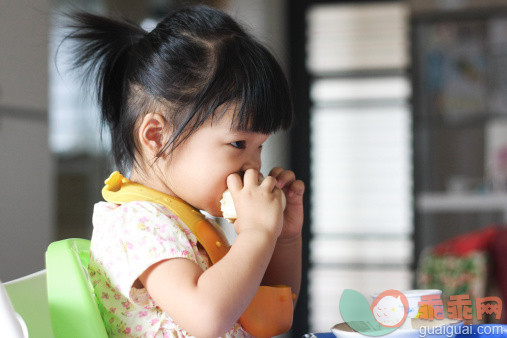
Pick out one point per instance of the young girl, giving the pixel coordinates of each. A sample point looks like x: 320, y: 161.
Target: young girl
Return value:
x: 189, y: 106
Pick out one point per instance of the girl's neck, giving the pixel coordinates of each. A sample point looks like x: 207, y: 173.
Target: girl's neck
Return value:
x: 151, y: 180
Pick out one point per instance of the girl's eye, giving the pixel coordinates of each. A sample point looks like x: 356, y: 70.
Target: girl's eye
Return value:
x: 238, y: 144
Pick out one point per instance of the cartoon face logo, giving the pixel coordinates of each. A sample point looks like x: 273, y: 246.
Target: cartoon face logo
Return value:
x: 390, y: 308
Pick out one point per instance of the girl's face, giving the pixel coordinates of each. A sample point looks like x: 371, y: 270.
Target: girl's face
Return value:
x: 197, y: 170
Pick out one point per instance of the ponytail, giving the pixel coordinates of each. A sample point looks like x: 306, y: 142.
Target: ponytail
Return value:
x: 103, y: 51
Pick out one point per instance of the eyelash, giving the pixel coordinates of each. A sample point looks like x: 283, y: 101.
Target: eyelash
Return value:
x: 238, y: 144
x: 241, y: 145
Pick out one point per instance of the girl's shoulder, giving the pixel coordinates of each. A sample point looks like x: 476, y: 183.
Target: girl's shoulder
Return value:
x: 133, y: 207
x: 135, y: 210
x: 138, y: 219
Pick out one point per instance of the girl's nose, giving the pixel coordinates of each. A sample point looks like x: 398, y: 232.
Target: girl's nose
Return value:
x: 252, y: 163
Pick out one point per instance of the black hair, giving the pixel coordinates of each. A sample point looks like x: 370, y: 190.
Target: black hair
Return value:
x: 192, y: 63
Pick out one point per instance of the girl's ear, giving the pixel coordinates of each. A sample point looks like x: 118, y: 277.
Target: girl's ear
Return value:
x: 151, y: 134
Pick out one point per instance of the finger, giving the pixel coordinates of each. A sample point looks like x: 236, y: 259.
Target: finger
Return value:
x: 251, y: 178
x: 285, y: 178
x: 278, y: 193
x: 276, y: 171
x: 234, y: 182
x: 269, y: 183
x: 297, y: 188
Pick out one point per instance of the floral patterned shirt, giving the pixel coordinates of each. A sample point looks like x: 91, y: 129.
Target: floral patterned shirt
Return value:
x: 126, y: 240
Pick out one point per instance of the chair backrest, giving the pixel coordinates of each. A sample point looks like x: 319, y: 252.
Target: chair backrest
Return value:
x: 12, y: 324
x: 72, y: 305
x: 28, y: 296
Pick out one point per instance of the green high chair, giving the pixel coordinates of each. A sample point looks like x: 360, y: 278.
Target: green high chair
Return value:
x: 72, y: 305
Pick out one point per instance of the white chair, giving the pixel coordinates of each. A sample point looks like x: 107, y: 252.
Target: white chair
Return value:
x: 11, y: 323
x: 29, y: 299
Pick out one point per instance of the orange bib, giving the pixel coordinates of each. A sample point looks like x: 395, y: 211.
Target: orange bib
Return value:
x: 270, y: 311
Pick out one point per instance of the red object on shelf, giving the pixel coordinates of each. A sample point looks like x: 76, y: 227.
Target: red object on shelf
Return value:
x: 469, y: 242
x: 493, y: 240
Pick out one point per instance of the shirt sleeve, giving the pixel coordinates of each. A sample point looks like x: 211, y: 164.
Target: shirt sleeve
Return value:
x: 131, y: 237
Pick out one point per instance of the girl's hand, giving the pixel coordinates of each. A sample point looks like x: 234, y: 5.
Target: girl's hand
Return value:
x: 259, y: 206
x: 294, y: 190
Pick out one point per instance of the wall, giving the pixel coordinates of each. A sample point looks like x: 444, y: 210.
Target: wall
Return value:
x: 26, y: 196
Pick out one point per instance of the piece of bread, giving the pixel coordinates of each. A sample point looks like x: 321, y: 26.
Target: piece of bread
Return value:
x: 229, y: 210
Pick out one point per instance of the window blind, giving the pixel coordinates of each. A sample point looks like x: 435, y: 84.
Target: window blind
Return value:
x: 360, y: 154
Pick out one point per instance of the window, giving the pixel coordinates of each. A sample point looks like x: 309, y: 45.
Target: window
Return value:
x: 360, y: 146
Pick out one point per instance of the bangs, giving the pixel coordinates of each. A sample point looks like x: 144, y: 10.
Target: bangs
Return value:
x: 237, y: 72
x: 250, y: 79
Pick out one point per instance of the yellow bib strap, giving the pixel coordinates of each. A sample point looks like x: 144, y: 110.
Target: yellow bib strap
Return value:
x: 119, y: 190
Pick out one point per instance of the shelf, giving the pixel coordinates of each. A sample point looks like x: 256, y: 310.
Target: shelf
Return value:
x: 461, y: 202
x: 360, y: 73
x: 467, y: 121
